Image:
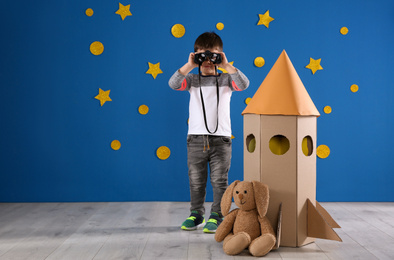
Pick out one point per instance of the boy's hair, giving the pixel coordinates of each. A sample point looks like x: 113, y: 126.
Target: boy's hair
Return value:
x: 208, y: 40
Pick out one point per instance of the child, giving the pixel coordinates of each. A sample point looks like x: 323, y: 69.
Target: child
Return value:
x: 209, y: 135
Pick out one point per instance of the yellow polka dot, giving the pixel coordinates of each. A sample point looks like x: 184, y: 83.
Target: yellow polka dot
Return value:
x: 89, y: 12
x: 323, y: 151
x: 143, y: 109
x: 163, y: 152
x: 220, y: 26
x: 115, y: 144
x: 354, y: 88
x: 344, y: 30
x: 96, y: 48
x: 178, y: 30
x: 327, y: 109
x: 259, y: 62
x: 247, y: 100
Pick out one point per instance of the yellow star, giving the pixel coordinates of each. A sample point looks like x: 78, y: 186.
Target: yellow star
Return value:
x: 314, y: 65
x: 123, y: 11
x: 103, y: 96
x: 223, y: 70
x: 154, y: 69
x: 265, y: 19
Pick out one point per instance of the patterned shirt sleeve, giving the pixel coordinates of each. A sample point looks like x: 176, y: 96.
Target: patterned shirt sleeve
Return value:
x: 239, y: 81
x: 180, y: 82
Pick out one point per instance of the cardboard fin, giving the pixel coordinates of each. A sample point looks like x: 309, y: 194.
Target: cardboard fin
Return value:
x: 278, y: 227
x: 327, y: 216
x: 318, y: 227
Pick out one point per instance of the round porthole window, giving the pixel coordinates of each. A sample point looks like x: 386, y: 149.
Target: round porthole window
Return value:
x: 250, y: 143
x: 279, y: 144
x: 307, y: 145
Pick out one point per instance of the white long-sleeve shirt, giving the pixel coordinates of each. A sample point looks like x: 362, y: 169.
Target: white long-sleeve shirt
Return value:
x: 227, y: 84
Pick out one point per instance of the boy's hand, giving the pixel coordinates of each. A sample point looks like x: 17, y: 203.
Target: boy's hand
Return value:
x: 225, y: 65
x: 189, y: 66
x: 191, y: 60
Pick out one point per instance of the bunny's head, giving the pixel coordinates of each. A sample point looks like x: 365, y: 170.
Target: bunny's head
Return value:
x: 247, y: 196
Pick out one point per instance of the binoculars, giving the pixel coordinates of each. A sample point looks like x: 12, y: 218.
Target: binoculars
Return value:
x: 215, y: 58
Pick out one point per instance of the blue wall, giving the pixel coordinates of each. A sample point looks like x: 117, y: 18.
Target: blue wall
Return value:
x: 55, y: 137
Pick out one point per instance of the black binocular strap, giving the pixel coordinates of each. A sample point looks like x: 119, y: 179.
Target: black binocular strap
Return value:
x: 202, y: 100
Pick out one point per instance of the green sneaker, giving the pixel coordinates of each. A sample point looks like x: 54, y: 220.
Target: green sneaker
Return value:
x: 213, y: 223
x: 193, y: 222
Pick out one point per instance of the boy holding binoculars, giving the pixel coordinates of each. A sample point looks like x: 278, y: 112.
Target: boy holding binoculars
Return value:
x: 209, y: 134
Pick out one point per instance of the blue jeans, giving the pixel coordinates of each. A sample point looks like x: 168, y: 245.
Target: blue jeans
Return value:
x: 202, y: 151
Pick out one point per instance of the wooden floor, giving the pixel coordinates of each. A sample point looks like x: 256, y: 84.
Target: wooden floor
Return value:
x: 151, y: 230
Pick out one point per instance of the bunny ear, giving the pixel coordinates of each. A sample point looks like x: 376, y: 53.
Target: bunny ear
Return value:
x: 227, y: 198
x: 261, y: 196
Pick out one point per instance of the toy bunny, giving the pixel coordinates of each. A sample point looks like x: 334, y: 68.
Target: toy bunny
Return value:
x: 246, y: 226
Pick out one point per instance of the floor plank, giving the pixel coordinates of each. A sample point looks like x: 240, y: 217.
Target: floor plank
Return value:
x: 52, y: 227
x: 128, y: 238
x: 382, y: 219
x: 17, y: 226
x: 151, y: 230
x: 88, y: 239
x: 361, y: 228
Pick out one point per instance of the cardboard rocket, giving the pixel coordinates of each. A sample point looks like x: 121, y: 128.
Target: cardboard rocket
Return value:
x: 280, y: 150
